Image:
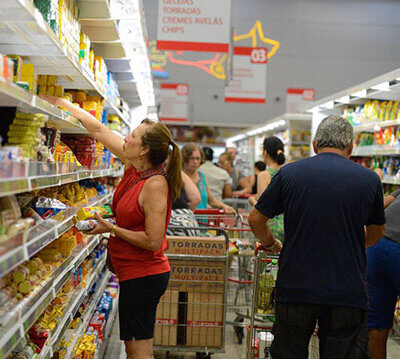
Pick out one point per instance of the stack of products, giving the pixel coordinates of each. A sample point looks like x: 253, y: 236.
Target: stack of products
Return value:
x: 112, y: 89
x: 114, y: 122
x: 25, y: 74
x: 372, y: 111
x: 389, y: 135
x: 298, y: 152
x: 6, y: 68
x: 48, y: 86
x: 100, y: 73
x: 49, y: 10
x: 86, y: 57
x: 93, y: 104
x: 11, y: 223
x: 70, y: 29
x: 29, y: 136
x: 300, y: 135
x: 40, y: 333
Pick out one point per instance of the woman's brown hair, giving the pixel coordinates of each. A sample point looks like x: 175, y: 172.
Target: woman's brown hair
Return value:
x: 187, y: 151
x: 158, y: 139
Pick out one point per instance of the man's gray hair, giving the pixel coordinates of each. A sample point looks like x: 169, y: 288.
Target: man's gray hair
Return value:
x: 335, y: 132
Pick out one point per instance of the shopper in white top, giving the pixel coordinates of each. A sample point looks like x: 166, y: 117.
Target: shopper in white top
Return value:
x: 218, y: 179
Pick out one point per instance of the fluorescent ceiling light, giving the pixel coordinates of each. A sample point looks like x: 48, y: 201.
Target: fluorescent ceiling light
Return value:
x: 328, y: 105
x: 360, y: 93
x: 343, y: 99
x: 384, y: 86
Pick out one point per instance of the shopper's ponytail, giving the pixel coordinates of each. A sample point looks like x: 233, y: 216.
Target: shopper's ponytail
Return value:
x: 158, y: 139
x: 174, y: 171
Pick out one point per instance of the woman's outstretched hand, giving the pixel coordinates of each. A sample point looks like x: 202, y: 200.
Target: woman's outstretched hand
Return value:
x: 55, y: 101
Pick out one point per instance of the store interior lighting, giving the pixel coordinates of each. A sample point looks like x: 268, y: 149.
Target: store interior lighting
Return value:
x: 384, y: 86
x: 328, y: 105
x: 360, y: 93
x: 343, y: 99
x: 132, y: 30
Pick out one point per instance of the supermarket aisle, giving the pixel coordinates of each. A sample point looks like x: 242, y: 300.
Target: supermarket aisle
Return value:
x: 115, y: 348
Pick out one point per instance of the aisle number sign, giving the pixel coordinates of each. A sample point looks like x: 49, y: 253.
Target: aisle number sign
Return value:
x: 174, y: 102
x: 298, y: 98
x: 194, y: 25
x: 249, y: 82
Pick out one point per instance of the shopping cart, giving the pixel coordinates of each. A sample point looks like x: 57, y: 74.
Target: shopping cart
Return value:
x: 259, y: 337
x: 240, y: 204
x: 191, y: 316
x: 241, y: 261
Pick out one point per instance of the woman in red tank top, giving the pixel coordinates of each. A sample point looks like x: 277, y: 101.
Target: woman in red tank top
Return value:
x: 142, y: 206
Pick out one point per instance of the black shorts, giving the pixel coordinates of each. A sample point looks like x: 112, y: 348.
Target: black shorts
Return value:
x: 138, y: 300
x: 342, y: 331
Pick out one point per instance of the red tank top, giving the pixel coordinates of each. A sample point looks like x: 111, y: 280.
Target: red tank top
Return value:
x: 128, y: 260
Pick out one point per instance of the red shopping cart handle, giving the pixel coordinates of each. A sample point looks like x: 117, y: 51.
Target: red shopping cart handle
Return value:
x: 242, y: 195
x: 209, y: 211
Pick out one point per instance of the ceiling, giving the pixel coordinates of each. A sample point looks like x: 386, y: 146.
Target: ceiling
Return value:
x: 325, y: 45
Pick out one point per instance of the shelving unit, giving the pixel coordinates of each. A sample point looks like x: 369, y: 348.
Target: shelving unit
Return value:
x: 15, y: 185
x: 250, y: 141
x: 384, y: 88
x: 15, y: 325
x: 40, y: 236
x: 25, y: 29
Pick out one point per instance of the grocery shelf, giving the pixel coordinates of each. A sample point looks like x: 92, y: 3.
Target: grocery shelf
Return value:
x: 41, y: 238
x: 9, y: 186
x: 88, y: 315
x: 73, y: 306
x: 299, y: 143
x: 370, y: 127
x: 391, y: 180
x: 109, y: 325
x: 28, y: 28
x: 18, y: 321
x: 376, y: 150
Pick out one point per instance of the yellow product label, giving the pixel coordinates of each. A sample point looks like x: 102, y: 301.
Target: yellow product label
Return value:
x: 51, y: 90
x: 80, y: 96
x: 42, y: 80
x: 42, y: 90
x: 59, y: 91
x: 51, y: 80
x: 28, y: 70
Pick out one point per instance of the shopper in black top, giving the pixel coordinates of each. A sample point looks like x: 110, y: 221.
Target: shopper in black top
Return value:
x: 333, y: 209
x: 383, y: 275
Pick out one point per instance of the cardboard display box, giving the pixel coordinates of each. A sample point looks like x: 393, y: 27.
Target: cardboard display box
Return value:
x: 165, y: 332
x: 206, y: 246
x: 204, y: 320
x: 197, y: 276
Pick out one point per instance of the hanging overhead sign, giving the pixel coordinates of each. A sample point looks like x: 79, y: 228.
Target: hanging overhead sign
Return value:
x: 194, y: 25
x: 174, y: 102
x: 298, y: 98
x: 249, y: 83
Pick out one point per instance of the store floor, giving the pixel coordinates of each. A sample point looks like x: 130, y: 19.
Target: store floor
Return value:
x: 115, y: 349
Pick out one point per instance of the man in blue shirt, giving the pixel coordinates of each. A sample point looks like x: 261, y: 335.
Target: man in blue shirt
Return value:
x: 333, y: 209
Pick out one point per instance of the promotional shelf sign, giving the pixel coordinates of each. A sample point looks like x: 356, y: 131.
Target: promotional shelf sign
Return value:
x: 297, y: 99
x: 174, y: 102
x: 249, y: 83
